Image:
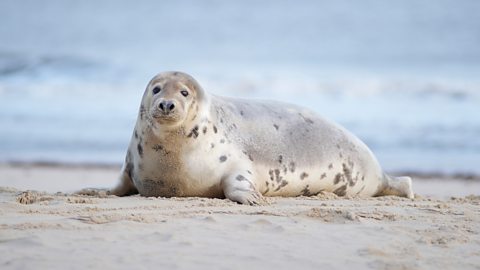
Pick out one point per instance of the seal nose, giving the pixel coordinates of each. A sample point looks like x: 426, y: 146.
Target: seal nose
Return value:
x: 166, y: 106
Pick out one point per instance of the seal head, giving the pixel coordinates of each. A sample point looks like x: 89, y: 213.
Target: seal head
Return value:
x: 169, y: 99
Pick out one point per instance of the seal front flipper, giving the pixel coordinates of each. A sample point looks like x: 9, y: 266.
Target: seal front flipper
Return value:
x: 125, y: 187
x: 239, y: 188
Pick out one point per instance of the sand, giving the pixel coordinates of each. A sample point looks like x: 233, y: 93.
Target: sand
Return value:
x: 52, y: 229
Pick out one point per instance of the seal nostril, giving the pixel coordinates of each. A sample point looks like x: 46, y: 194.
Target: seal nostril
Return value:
x: 161, y: 106
x: 171, y: 107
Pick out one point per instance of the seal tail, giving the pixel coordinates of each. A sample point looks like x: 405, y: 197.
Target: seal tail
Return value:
x: 398, y: 186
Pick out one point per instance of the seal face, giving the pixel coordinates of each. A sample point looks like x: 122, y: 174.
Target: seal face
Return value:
x: 169, y: 102
x: 189, y: 143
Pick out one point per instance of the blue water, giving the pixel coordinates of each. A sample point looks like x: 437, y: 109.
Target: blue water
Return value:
x: 402, y: 75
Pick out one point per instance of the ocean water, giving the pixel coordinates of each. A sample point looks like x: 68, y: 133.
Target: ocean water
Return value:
x: 404, y: 76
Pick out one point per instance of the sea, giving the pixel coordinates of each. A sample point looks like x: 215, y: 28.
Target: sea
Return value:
x: 404, y: 76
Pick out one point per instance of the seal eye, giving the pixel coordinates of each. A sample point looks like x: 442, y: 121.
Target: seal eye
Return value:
x: 184, y: 93
x: 156, y: 90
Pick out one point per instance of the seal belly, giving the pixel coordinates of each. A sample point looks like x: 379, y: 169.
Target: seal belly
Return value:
x: 170, y: 186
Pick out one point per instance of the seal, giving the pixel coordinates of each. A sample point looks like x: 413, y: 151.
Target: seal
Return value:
x: 187, y: 142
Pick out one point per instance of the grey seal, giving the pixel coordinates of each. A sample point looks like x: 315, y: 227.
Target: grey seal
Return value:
x: 187, y: 142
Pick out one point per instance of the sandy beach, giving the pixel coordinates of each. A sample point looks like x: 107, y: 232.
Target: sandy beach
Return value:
x: 402, y: 76
x: 42, y: 225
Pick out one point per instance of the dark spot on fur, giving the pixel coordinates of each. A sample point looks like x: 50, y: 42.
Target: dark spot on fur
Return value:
x: 157, y: 147
x: 330, y: 166
x: 212, y: 145
x: 303, y: 175
x: 277, y: 175
x: 136, y: 134
x: 204, y: 130
x: 280, y: 159
x: 215, y: 129
x: 241, y: 113
x: 249, y: 172
x: 223, y: 158
x: 306, y: 191
x: 341, y: 191
x: 142, y: 112
x: 346, y: 171
x: 240, y: 177
x: 340, y: 154
x: 140, y: 149
x: 338, y: 178
x: 221, y: 120
x: 222, y: 141
x: 250, y: 157
x: 270, y: 172
x: 193, y: 132
x: 275, y: 126
x: 282, y: 184
x: 291, y: 166
x: 267, y: 183
x: 129, y: 169
x: 363, y: 178
x: 323, y: 175
x: 348, y: 175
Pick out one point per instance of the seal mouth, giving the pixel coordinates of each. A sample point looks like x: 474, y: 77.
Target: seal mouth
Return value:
x: 165, y: 119
x: 163, y: 116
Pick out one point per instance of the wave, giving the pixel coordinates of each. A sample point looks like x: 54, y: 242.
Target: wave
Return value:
x: 17, y: 65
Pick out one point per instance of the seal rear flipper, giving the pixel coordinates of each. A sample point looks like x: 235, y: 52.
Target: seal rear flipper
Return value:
x: 239, y: 188
x: 398, y: 186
